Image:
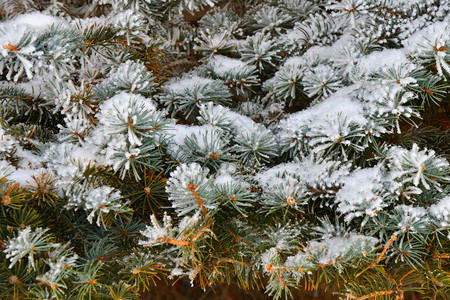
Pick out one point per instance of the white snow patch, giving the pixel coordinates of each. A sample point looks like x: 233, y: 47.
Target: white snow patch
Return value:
x: 179, y: 86
x: 12, y: 31
x: 441, y: 211
x: 222, y: 64
x: 360, y: 194
x: 329, y: 251
x: 388, y: 58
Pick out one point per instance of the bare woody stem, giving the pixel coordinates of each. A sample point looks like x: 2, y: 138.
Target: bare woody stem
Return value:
x: 168, y: 240
x: 371, y: 295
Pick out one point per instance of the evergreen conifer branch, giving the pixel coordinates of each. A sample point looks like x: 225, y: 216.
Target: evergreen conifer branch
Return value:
x: 283, y: 145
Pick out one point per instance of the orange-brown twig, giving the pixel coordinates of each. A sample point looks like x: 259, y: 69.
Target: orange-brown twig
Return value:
x: 193, y: 189
x: 442, y: 255
x: 393, y: 239
x: 404, y: 276
x: 200, y: 233
x: 168, y: 240
x: 373, y: 264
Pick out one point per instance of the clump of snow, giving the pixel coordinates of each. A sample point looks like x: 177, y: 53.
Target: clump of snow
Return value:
x: 225, y: 118
x: 7, y: 143
x: 59, y: 264
x: 36, y: 20
x: 190, y: 189
x: 130, y: 76
x: 411, y: 218
x: 97, y: 202
x: 25, y: 176
x: 24, y: 244
x: 180, y: 132
x: 377, y: 60
x: 121, y: 105
x: 5, y: 169
x: 331, y: 250
x: 64, y: 154
x: 189, y: 222
x: 223, y: 65
x: 324, y: 174
x: 432, y: 41
x: 336, y: 104
x: 224, y: 174
x: 12, y: 31
x: 123, y: 112
x: 325, y: 124
x: 296, y: 61
x: 361, y: 194
x: 214, y: 115
x: 239, y: 123
x: 331, y: 52
x: 269, y: 257
x: 417, y: 166
x: 441, y: 211
x: 300, y: 262
x: 436, y: 33
x: 153, y: 234
x: 180, y: 85
x: 209, y: 140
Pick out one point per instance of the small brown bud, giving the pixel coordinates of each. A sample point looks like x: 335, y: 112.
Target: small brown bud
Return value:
x: 6, y: 200
x: 13, y: 279
x: 290, y: 201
